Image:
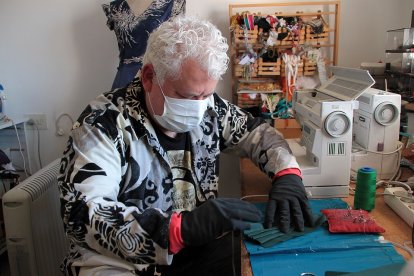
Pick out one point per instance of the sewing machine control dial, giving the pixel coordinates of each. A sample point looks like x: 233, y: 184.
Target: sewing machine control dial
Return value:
x: 337, y: 124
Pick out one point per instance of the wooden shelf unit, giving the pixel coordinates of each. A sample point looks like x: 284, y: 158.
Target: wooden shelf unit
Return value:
x: 243, y: 40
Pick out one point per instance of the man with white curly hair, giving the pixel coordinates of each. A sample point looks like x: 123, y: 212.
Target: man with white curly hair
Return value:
x: 139, y: 177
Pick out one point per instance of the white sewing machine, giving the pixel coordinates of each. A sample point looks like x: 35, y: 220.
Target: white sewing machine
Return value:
x: 376, y: 133
x: 325, y: 115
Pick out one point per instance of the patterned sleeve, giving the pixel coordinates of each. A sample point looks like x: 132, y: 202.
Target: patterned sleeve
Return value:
x: 89, y: 182
x: 253, y: 138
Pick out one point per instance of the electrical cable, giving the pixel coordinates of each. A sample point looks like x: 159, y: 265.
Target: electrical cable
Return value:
x: 401, y: 184
x: 38, y: 146
x: 407, y: 243
x: 382, y: 183
x: 250, y: 196
x: 406, y: 248
x: 387, y: 183
x: 351, y: 190
x: 378, y: 152
x: 397, y: 172
x: 399, y: 196
x: 20, y: 148
x: 381, y: 239
x: 32, y: 123
x: 60, y: 131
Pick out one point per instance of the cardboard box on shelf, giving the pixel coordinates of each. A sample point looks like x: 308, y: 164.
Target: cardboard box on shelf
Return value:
x: 286, y: 123
x: 290, y: 128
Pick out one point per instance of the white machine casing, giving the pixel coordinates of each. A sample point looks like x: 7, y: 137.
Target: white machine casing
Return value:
x: 376, y: 133
x: 325, y: 115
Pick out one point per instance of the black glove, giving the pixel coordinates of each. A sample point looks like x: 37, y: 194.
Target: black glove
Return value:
x: 216, y: 217
x: 288, y: 202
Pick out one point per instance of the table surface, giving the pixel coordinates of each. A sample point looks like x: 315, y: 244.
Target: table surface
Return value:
x: 254, y: 182
x: 10, y: 122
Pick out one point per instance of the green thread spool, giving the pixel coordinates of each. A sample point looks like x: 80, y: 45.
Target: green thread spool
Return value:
x: 365, y: 189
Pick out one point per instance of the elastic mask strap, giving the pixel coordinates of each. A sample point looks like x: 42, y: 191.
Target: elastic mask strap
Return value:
x: 149, y: 97
x: 162, y: 92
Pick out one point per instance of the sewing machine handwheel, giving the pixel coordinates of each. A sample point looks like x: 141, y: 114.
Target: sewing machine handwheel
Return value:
x: 337, y: 124
x: 386, y: 113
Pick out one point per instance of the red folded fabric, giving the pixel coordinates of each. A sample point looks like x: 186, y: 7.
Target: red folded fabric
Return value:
x: 351, y: 221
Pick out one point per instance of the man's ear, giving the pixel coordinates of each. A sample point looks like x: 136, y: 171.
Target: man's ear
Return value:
x: 147, y: 76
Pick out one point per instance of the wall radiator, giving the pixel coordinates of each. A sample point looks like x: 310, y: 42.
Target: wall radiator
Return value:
x: 36, y: 242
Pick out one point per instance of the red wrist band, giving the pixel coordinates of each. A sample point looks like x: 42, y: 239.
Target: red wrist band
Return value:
x: 288, y: 171
x: 176, y: 241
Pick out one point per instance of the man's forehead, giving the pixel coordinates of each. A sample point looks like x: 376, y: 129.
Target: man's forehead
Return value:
x: 185, y: 85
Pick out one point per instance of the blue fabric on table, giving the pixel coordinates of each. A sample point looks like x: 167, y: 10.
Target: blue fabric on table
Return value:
x: 321, y: 251
x: 388, y: 270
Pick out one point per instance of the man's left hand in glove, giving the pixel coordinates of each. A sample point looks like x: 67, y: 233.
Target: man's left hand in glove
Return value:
x: 288, y: 204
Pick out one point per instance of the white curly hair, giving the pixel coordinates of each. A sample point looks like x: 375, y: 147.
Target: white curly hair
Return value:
x: 183, y: 38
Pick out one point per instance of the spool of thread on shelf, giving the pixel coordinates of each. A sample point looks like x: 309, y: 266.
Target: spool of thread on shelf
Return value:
x: 365, y: 189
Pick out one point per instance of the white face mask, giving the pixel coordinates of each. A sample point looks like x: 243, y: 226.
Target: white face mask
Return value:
x: 181, y: 115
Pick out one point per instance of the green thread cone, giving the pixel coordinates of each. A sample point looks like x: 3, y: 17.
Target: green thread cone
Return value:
x: 365, y: 189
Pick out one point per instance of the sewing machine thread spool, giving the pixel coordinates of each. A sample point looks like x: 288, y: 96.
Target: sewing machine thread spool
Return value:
x: 365, y: 189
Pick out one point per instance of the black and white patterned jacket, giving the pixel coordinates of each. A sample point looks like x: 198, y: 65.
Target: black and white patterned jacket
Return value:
x: 115, y: 178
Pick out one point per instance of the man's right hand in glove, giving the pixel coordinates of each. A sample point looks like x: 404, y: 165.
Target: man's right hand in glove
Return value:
x: 211, y: 220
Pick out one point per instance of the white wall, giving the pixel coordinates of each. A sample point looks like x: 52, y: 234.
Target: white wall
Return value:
x: 57, y: 55
x: 364, y: 25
